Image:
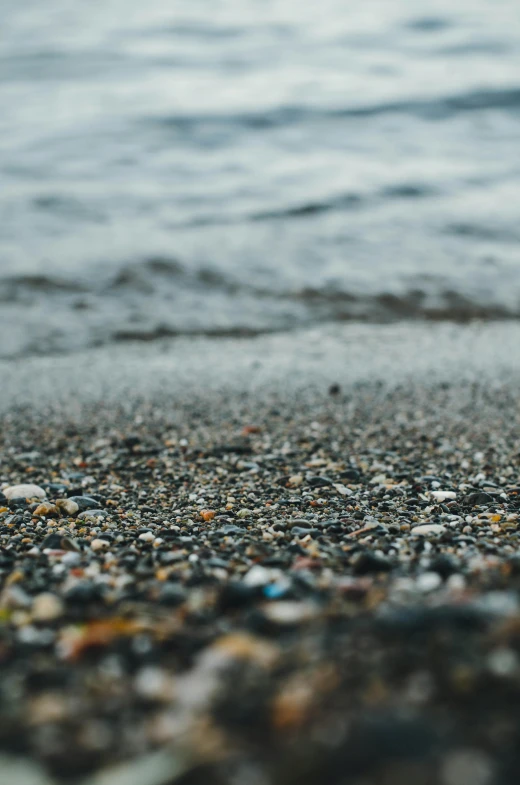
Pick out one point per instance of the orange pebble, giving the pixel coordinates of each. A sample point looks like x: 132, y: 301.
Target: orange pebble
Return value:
x: 208, y: 515
x: 247, y: 429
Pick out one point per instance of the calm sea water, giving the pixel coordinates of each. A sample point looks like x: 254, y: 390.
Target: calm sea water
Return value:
x: 239, y: 166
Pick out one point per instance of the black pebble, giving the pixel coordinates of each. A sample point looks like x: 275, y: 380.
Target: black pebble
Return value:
x: 84, y: 592
x: 85, y: 503
x: 477, y: 499
x: 319, y: 482
x: 367, y: 563
x: 172, y: 594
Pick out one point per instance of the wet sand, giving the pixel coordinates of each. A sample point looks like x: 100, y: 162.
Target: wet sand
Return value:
x: 299, y: 563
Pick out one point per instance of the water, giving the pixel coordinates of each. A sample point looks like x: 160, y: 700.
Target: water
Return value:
x: 246, y: 166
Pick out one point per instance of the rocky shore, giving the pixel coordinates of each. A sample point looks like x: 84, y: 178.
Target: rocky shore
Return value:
x: 302, y: 585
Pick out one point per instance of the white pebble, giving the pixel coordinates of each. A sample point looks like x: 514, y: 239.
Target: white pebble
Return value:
x: 428, y: 581
x: 428, y: 528
x: 456, y: 582
x: 441, y: 496
x: 27, y: 491
x: 343, y: 490
x: 289, y: 612
x: 87, y: 514
x: 46, y: 607
x: 68, y: 506
x: 258, y: 576
x: 71, y: 558
x: 154, y: 684
x: 99, y: 545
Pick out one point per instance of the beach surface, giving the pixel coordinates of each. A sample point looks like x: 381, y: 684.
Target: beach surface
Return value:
x: 259, y: 422
x: 286, y: 559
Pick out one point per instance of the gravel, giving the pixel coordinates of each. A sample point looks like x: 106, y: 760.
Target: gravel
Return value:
x: 291, y: 587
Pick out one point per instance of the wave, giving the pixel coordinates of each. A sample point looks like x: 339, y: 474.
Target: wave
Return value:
x: 439, y: 108
x: 159, y: 275
x: 474, y: 231
x: 158, y: 299
x: 140, y: 277
x: 346, y: 201
x: 18, y: 287
x: 144, y: 276
x: 162, y: 331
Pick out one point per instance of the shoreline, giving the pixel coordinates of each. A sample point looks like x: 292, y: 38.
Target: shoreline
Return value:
x: 288, y: 582
x: 305, y: 362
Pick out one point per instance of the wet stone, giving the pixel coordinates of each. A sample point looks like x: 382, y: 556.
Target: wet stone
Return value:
x: 84, y: 502
x: 478, y: 499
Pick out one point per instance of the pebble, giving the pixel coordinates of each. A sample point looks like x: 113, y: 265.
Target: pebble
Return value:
x: 154, y: 684
x: 67, y: 506
x: 24, y: 492
x: 89, y: 514
x: 368, y: 563
x: 428, y: 581
x: 55, y: 541
x: 84, y: 502
x: 171, y: 595
x: 318, y: 481
x: 46, y: 510
x: 442, y: 496
x: 286, y: 612
x: 478, y: 499
x: 427, y: 529
x: 342, y: 489
x: 100, y: 545
x: 147, y: 537
x: 47, y: 607
x: 259, y: 576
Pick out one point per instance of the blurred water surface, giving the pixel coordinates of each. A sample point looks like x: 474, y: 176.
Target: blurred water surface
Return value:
x: 240, y: 166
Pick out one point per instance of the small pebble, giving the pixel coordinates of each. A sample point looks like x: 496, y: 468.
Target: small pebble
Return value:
x: 99, y: 545
x: 428, y: 529
x: 46, y: 607
x: 90, y: 514
x: 46, y: 510
x: 442, y: 496
x: 67, y: 506
x: 147, y: 537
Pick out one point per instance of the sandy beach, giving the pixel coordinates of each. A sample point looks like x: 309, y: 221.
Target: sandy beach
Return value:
x: 291, y: 559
